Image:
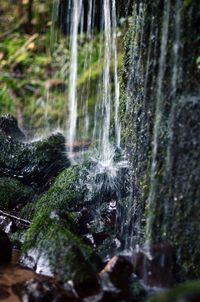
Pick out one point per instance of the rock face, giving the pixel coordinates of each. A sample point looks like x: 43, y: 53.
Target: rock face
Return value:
x: 34, y: 162
x: 5, y: 248
x: 40, y: 291
x: 155, y: 265
x: 53, y: 235
x: 160, y: 109
x: 8, y: 124
x: 118, y: 270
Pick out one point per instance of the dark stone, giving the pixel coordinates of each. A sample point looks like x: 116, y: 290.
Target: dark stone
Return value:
x: 5, y: 248
x: 161, y: 128
x: 42, y: 291
x: 119, y: 270
x: 191, y: 297
x: 9, y: 125
x: 35, y: 162
x: 154, y: 265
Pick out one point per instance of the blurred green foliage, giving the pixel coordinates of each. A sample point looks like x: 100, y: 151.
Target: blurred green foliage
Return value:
x: 35, y: 66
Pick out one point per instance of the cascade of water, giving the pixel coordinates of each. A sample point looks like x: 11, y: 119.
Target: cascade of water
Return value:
x: 116, y: 81
x: 158, y: 114
x: 88, y: 58
x: 130, y: 227
x: 176, y: 78
x: 79, y: 23
x: 106, y: 104
x: 93, y: 78
x: 76, y: 15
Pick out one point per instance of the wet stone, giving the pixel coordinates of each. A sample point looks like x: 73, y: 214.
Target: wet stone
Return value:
x: 154, y: 265
x: 42, y: 291
x: 33, y: 163
x: 9, y: 125
x: 6, y: 224
x: 118, y: 270
x: 5, y: 248
x: 192, y: 297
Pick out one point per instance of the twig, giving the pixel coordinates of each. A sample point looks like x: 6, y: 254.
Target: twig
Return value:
x: 23, y: 221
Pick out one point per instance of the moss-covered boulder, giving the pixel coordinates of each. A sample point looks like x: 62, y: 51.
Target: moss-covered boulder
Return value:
x: 187, y: 292
x: 53, y: 234
x: 33, y: 162
x: 12, y: 192
x: 65, y: 195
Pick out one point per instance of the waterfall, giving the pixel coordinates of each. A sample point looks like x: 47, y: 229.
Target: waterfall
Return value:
x: 158, y: 114
x: 176, y: 79
x: 116, y: 80
x: 77, y: 5
x: 106, y: 104
x: 101, y: 123
x: 86, y: 122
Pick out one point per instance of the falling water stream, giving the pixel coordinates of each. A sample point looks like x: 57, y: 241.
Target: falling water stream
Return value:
x: 107, y: 96
x: 76, y: 17
x: 101, y: 125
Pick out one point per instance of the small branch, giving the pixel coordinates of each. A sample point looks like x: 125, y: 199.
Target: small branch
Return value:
x: 22, y: 221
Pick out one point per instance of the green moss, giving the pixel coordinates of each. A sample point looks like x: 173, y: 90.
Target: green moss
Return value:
x: 187, y: 3
x: 30, y: 160
x: 63, y: 195
x: 53, y: 230
x: 68, y: 257
x: 12, y: 192
x: 179, y: 293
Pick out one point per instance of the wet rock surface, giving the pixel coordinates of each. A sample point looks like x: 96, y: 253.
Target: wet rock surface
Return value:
x: 5, y: 248
x: 9, y: 125
x: 119, y: 270
x: 35, y: 290
x: 31, y: 162
x: 21, y: 284
x: 154, y: 265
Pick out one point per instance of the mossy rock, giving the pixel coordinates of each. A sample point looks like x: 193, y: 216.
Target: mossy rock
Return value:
x: 68, y: 258
x: 64, y: 195
x: 53, y: 231
x: 187, y: 292
x: 12, y: 192
x: 34, y: 162
x: 9, y: 125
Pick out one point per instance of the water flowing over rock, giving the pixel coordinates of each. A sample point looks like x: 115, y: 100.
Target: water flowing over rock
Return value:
x: 124, y: 217
x: 30, y: 162
x: 160, y: 126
